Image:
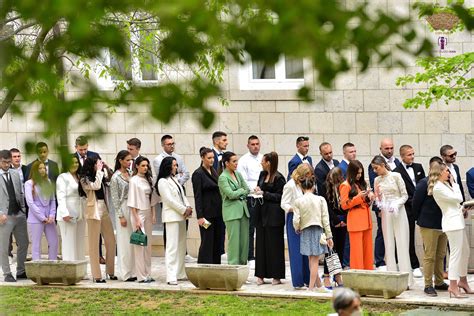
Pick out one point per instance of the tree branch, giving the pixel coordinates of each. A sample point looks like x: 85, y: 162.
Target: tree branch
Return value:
x: 18, y: 30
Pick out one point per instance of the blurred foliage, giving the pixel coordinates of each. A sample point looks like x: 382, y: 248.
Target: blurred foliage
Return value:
x: 52, y: 44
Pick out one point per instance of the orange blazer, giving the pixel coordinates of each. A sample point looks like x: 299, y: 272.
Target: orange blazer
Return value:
x: 358, y: 217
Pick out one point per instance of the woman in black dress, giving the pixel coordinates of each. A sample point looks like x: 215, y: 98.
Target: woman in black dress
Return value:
x: 270, y: 222
x: 208, y: 204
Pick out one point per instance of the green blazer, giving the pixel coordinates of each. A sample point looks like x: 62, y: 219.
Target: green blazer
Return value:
x: 234, y: 196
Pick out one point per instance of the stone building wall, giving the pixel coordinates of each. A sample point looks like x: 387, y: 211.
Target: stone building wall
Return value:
x: 362, y: 108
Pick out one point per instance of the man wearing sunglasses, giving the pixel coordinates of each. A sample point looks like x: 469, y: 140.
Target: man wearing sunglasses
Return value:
x: 448, y: 154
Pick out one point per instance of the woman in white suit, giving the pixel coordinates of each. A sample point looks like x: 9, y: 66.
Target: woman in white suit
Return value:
x: 70, y: 214
x: 175, y: 210
x: 447, y: 195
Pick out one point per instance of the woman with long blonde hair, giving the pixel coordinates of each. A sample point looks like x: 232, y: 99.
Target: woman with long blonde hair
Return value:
x: 299, y: 264
x: 447, y: 195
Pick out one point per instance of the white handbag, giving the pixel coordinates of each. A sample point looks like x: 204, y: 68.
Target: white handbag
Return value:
x: 333, y: 263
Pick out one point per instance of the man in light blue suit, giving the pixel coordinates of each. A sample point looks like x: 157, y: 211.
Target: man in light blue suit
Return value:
x: 302, y: 148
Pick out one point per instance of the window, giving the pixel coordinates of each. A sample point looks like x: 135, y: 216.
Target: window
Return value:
x: 286, y: 74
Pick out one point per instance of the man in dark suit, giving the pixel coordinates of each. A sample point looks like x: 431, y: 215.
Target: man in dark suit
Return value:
x: 470, y: 181
x: 52, y: 168
x: 324, y: 166
x: 82, y: 150
x: 301, y: 156
x: 350, y: 152
x: 411, y: 173
x: 448, y: 154
x: 219, y: 142
x: 12, y: 217
x: 386, y: 151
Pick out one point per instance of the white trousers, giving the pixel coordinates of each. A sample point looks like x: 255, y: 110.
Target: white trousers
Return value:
x: 396, y: 235
x: 73, y: 239
x: 143, y: 254
x: 458, y: 254
x: 175, y: 250
x: 125, y: 254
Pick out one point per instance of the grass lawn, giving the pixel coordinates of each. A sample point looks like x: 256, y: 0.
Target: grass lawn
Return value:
x: 69, y: 300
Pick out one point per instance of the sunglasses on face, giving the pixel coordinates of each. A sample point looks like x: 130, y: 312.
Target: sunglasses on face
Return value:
x: 454, y: 154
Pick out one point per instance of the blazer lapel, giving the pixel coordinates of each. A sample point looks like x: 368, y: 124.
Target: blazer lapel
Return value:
x: 406, y: 176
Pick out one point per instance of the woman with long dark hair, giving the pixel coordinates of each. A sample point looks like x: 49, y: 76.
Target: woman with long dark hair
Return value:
x: 234, y: 191
x: 39, y: 195
x: 142, y: 199
x: 70, y: 213
x: 119, y: 193
x: 337, y: 219
x: 270, y: 222
x: 208, y: 203
x: 176, y: 209
x: 356, y: 199
x: 391, y: 195
x: 98, y: 219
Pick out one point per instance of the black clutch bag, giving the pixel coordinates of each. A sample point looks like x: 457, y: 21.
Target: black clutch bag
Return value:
x: 139, y: 238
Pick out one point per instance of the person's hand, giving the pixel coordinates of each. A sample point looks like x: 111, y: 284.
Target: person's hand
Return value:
x: 50, y: 220
x: 67, y: 218
x: 3, y: 219
x: 330, y: 243
x: 371, y: 196
x: 201, y: 221
x: 123, y: 221
x: 362, y: 194
x: 257, y: 190
x: 343, y: 224
x: 99, y: 165
x: 188, y: 212
x: 298, y: 231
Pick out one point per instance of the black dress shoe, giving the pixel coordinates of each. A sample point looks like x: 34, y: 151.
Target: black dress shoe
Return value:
x: 133, y: 279
x: 441, y: 287
x: 145, y: 281
x: 9, y: 278
x: 99, y: 281
x: 21, y: 276
x: 112, y: 277
x: 430, y: 291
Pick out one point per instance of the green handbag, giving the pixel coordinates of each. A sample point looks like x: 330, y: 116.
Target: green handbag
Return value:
x: 139, y: 238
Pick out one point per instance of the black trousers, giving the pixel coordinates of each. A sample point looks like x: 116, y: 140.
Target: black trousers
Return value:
x: 339, y: 238
x: 210, y: 248
x: 251, y: 205
x: 270, y: 252
x: 411, y: 223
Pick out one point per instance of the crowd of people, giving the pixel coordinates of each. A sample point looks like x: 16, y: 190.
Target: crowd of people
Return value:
x: 323, y: 206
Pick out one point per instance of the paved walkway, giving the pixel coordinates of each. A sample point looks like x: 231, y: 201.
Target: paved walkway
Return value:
x: 414, y: 297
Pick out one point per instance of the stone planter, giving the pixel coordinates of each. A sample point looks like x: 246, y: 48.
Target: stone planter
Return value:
x: 216, y: 276
x: 56, y: 271
x: 386, y: 284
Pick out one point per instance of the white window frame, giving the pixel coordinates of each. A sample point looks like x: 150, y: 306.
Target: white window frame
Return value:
x: 247, y: 82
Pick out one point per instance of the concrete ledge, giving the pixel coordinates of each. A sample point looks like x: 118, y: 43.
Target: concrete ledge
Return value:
x: 55, y: 271
x: 386, y: 284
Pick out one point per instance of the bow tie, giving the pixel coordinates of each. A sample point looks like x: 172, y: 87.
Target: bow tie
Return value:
x: 409, y: 166
x: 305, y: 158
x: 219, y: 154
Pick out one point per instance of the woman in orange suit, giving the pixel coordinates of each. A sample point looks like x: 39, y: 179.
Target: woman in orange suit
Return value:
x: 356, y: 199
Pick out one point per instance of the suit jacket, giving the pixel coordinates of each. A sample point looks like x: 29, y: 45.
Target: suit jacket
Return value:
x: 53, y: 170
x: 321, y: 171
x: 372, y: 176
x: 459, y: 181
x: 424, y: 208
x: 234, y: 196
x: 69, y: 201
x: 19, y: 193
x: 295, y: 162
x: 449, y: 200
x: 90, y: 154
x: 358, y: 217
x: 215, y: 165
x: 207, y: 198
x: 470, y: 181
x: 174, y: 200
x: 270, y: 214
x: 419, y: 175
x: 40, y: 207
x: 92, y: 207
x: 343, y: 166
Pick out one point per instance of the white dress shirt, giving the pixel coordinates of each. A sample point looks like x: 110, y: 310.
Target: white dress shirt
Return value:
x: 330, y: 164
x: 453, y: 172
x: 250, y: 167
x: 183, y: 173
x: 302, y: 158
x: 391, y: 162
x: 410, y: 172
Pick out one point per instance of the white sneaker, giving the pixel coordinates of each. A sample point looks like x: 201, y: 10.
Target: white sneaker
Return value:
x: 224, y: 257
x: 382, y: 268
x: 251, y: 264
x: 417, y: 273
x: 189, y: 259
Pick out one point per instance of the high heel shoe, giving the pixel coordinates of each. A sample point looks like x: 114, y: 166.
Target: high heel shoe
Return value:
x: 466, y: 289
x: 456, y: 295
x: 99, y: 281
x: 260, y: 281
x: 112, y: 277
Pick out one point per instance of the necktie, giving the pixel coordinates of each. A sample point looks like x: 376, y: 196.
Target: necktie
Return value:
x: 7, y: 176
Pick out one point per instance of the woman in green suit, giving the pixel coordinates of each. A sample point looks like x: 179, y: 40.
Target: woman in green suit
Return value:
x: 234, y: 191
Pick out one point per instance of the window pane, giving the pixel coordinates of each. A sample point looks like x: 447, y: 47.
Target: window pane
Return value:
x: 148, y: 67
x: 262, y: 71
x: 294, y: 68
x: 122, y: 69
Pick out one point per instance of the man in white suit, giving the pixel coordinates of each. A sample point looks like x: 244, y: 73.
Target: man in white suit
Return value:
x: 12, y: 217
